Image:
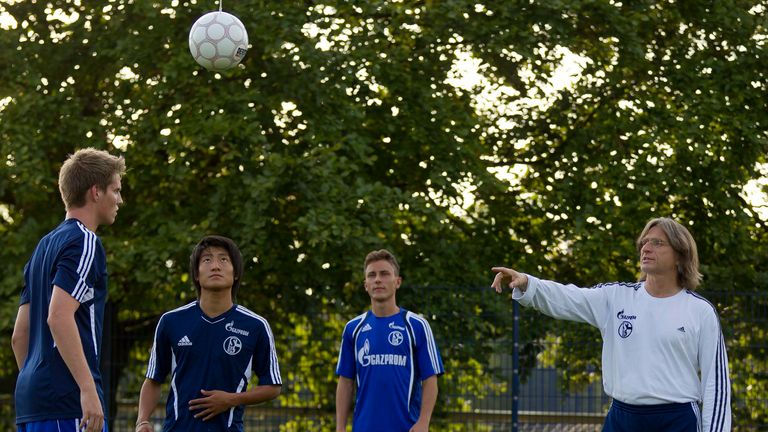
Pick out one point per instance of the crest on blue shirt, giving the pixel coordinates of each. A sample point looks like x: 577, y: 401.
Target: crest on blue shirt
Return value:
x: 395, y: 338
x: 232, y: 345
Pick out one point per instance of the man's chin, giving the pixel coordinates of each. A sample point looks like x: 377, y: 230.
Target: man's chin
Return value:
x: 108, y: 221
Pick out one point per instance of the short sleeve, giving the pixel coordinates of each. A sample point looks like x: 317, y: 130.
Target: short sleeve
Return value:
x: 345, y: 366
x: 24, y: 297
x: 75, y: 269
x: 160, y: 356
x: 266, y: 366
x: 427, y: 354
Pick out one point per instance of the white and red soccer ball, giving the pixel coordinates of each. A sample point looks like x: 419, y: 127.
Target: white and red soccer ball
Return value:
x: 218, y: 41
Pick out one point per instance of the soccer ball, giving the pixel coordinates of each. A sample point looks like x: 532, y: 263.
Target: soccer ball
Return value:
x: 218, y: 41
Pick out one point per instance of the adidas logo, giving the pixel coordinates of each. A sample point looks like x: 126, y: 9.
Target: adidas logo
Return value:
x: 366, y: 328
x: 681, y: 329
x: 185, y: 341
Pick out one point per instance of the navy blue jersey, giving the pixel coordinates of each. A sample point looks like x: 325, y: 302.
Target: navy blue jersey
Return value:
x: 388, y: 358
x: 72, y: 258
x: 203, y: 353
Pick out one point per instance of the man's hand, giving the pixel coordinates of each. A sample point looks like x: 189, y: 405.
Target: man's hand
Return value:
x: 214, y: 403
x: 93, y: 415
x: 510, y: 278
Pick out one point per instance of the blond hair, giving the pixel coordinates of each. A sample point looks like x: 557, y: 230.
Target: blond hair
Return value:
x: 682, y: 242
x: 85, y: 168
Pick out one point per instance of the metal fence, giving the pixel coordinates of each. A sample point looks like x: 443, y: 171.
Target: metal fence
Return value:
x: 540, y: 401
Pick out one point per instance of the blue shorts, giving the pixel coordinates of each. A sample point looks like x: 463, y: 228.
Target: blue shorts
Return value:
x: 673, y: 417
x: 70, y: 425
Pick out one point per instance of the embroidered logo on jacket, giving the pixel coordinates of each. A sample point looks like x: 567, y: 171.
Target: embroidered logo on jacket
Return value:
x: 185, y: 341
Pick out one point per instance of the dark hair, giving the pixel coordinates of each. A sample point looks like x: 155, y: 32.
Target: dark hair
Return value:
x: 382, y: 255
x: 234, y: 255
x: 85, y: 168
x: 682, y: 242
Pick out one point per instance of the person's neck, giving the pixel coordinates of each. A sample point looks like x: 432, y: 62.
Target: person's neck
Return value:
x: 662, y: 285
x: 85, y: 216
x: 214, y: 304
x: 384, y: 309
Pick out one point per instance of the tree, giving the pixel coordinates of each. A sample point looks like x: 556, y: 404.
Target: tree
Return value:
x: 343, y: 132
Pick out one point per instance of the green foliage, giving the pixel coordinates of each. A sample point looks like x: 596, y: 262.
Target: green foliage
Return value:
x: 341, y: 133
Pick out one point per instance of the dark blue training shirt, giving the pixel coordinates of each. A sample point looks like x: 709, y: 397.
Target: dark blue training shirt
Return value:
x: 203, y: 353
x: 72, y: 258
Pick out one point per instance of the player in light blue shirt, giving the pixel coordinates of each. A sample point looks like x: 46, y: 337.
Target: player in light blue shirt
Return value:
x: 212, y: 349
x: 57, y: 335
x: 390, y: 355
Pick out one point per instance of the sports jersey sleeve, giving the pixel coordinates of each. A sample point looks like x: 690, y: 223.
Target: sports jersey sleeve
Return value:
x: 74, y: 268
x: 715, y: 382
x: 24, y: 297
x: 427, y: 354
x: 345, y: 366
x: 160, y: 356
x: 265, y: 365
x: 567, y: 302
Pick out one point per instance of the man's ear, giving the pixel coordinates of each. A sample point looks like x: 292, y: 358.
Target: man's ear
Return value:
x: 95, y: 193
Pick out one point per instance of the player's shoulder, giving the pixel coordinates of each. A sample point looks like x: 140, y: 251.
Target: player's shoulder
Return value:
x: 419, y: 326
x: 180, y: 313
x: 699, y: 302
x: 620, y: 286
x: 74, y: 234
x: 414, y: 318
x: 73, y: 228
x: 358, y: 319
x: 250, y: 316
x: 354, y: 322
x: 69, y: 232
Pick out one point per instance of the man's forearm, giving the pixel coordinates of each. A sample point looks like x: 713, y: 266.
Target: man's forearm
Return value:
x: 67, y: 339
x: 258, y: 394
x: 20, y: 337
x: 343, y: 402
x: 428, y: 398
x: 148, y: 399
